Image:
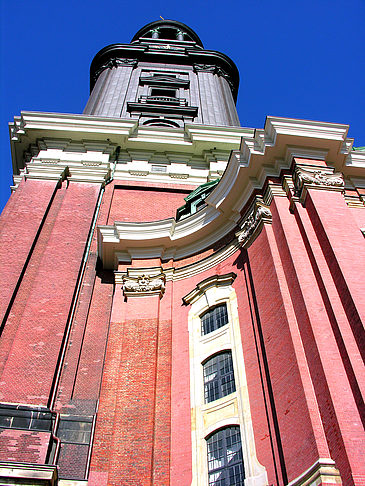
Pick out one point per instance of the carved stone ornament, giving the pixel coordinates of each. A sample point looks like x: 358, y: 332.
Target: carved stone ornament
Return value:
x: 143, y: 285
x: 260, y: 213
x: 317, y: 178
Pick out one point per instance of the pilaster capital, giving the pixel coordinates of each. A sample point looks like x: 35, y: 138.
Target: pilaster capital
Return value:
x: 115, y: 62
x: 252, y: 223
x: 205, y: 68
x: 324, y: 179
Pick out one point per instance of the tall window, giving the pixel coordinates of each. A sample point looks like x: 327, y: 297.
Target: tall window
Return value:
x: 218, y: 377
x: 225, y: 463
x: 214, y: 318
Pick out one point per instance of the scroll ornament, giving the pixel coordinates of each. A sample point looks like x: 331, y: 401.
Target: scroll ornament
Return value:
x: 318, y: 178
x: 260, y: 213
x: 144, y: 285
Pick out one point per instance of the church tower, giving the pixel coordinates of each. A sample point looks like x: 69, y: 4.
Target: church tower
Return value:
x: 179, y: 304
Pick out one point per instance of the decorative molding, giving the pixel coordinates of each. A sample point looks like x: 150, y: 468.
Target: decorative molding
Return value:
x: 91, y: 163
x: 138, y: 172
x: 214, y: 281
x: 252, y: 223
x: 323, y: 471
x: 176, y: 175
x: 144, y: 285
x: 78, y: 171
x: 316, y: 179
x: 47, y: 161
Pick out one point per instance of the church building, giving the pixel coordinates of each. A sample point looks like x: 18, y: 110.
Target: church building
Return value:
x: 182, y: 299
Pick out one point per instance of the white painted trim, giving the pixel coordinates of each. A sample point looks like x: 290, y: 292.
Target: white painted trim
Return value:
x: 233, y: 409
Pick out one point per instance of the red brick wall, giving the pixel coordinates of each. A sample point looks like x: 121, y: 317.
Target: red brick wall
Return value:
x: 257, y: 389
x: 277, y: 326
x: 24, y: 446
x: 144, y: 204
x: 33, y: 334
x: 19, y: 224
x: 131, y: 400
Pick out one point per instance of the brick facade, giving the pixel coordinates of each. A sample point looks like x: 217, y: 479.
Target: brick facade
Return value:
x: 102, y: 290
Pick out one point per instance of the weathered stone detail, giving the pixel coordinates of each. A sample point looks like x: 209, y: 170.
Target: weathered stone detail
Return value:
x: 144, y: 285
x: 252, y: 222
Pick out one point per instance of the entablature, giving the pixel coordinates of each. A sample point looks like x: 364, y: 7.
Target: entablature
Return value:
x: 269, y: 154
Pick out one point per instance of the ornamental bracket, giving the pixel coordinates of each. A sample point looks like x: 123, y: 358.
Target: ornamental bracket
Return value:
x: 252, y: 223
x: 316, y: 179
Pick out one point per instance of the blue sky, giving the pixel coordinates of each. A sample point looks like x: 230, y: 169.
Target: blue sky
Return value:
x: 301, y: 59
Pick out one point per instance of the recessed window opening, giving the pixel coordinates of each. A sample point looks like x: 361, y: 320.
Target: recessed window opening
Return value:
x: 170, y: 34
x: 225, y: 462
x: 214, y: 318
x: 170, y: 93
x: 157, y: 122
x: 218, y: 377
x: 162, y: 73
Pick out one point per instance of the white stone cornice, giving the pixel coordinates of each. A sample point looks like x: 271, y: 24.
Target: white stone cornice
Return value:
x: 275, y: 126
x: 32, y: 132
x: 243, y: 175
x: 355, y: 160
x: 69, y: 123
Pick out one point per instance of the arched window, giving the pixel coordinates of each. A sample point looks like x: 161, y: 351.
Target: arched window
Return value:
x: 218, y: 376
x: 214, y: 318
x: 225, y: 463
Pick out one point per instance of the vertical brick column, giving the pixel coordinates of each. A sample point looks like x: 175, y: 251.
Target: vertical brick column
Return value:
x: 344, y: 249
x: 297, y: 430
x: 339, y: 236
x: 333, y: 391
x: 34, y: 331
x: 20, y: 223
x: 131, y: 443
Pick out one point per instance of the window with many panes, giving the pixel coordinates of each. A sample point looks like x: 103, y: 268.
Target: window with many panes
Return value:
x: 214, y: 318
x: 218, y: 376
x: 225, y: 463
